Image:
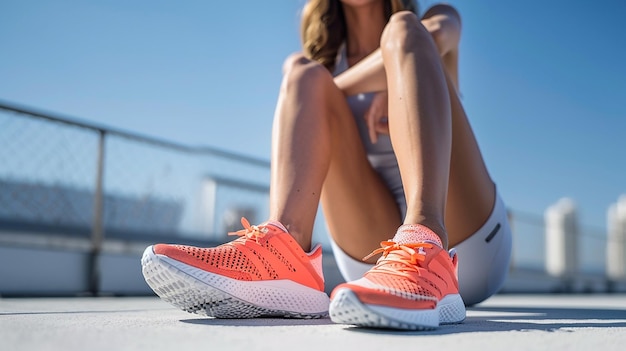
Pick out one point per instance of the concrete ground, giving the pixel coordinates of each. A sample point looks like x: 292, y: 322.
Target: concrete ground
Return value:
x: 504, y: 322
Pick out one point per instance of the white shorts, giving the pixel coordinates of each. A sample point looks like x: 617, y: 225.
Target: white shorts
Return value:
x: 484, y: 258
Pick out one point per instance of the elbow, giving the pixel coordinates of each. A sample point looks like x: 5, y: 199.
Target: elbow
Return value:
x: 443, y: 22
x: 443, y: 10
x: 439, y: 37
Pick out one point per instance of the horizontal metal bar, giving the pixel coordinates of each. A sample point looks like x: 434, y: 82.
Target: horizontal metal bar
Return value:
x: 20, y: 109
x: 240, y: 184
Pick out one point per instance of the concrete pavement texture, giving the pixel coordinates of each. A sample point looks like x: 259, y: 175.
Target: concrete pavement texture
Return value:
x: 504, y: 322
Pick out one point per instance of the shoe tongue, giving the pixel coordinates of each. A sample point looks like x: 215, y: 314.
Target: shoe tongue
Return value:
x: 416, y: 233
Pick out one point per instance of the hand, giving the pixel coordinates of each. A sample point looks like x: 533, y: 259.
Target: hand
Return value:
x: 376, y: 116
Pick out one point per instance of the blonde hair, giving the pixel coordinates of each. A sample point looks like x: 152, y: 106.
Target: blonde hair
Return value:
x: 323, y: 27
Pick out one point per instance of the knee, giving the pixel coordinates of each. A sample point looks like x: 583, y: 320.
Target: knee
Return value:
x: 298, y: 70
x: 404, y: 33
x: 292, y: 61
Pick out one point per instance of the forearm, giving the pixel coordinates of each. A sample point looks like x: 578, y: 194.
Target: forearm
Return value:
x: 367, y: 75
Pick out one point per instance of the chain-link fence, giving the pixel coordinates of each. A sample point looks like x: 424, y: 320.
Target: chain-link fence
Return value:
x: 49, y: 175
x: 47, y: 171
x: 62, y: 178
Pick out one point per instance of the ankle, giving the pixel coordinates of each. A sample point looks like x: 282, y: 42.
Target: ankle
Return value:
x: 304, y: 240
x: 436, y: 227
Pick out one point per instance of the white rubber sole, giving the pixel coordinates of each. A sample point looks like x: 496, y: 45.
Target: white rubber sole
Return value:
x: 197, y: 291
x: 345, y: 308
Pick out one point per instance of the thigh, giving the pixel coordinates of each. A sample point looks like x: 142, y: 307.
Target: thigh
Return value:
x: 359, y: 208
x: 471, y: 191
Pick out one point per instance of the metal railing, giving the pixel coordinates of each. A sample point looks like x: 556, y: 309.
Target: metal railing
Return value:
x: 52, y: 165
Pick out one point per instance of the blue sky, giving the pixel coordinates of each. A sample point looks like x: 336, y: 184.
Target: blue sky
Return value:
x: 544, y: 82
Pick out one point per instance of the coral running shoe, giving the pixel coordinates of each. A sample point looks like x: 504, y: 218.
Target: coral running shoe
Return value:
x: 413, y: 286
x: 263, y: 273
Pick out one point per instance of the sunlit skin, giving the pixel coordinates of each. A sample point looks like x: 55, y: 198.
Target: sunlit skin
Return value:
x: 317, y: 154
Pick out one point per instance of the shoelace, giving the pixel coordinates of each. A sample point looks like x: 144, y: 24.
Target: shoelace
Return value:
x: 406, y: 257
x: 251, y: 231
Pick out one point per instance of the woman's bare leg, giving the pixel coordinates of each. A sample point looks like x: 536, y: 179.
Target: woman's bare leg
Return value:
x: 471, y: 191
x: 359, y: 210
x: 317, y: 154
x: 419, y: 119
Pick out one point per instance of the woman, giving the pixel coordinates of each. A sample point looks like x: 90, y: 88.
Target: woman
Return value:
x: 369, y: 122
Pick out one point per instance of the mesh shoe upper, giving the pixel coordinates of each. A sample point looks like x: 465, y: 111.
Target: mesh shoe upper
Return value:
x: 264, y: 252
x: 407, y: 275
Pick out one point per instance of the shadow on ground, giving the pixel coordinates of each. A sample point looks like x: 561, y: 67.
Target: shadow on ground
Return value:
x: 494, y: 319
x: 481, y: 319
x: 258, y: 322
